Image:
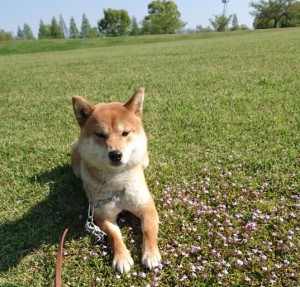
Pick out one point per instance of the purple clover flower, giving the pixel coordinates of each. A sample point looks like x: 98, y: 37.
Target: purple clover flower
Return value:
x: 264, y: 258
x: 183, y: 278
x: 239, y: 263
x: 194, y: 249
x: 251, y: 226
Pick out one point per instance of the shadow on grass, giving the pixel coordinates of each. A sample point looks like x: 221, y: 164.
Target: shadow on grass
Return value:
x: 45, y: 222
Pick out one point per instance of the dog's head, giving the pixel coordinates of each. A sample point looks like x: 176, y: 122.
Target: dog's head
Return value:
x: 112, y: 135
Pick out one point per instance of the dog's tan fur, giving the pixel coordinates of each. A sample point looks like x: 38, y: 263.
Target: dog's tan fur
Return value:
x: 109, y: 157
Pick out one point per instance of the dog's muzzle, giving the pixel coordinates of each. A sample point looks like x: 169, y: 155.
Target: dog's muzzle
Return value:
x: 116, y: 157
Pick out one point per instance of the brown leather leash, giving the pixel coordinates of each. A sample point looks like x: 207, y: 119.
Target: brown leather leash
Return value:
x: 59, y: 256
x: 90, y: 227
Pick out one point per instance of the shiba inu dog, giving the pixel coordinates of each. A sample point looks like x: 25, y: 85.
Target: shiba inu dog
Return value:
x: 109, y: 158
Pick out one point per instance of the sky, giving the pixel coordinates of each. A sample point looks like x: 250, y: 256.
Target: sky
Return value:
x: 14, y: 13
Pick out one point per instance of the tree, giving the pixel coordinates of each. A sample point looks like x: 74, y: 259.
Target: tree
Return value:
x: 44, y: 31
x: 201, y: 29
x: 135, y: 30
x: 146, y: 27
x: 20, y: 33
x: 55, y: 31
x: 63, y: 27
x: 115, y: 23
x: 27, y: 33
x: 262, y: 23
x: 93, y: 33
x: 220, y: 22
x: 5, y: 36
x: 74, y: 33
x: 163, y: 18
x: 85, y: 27
x: 293, y: 17
x: 244, y: 27
x: 234, y: 23
x: 270, y: 12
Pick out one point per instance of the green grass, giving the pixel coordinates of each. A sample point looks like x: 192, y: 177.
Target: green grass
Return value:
x: 222, y: 118
x: 25, y: 47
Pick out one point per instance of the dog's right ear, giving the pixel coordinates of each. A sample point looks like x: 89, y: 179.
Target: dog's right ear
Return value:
x: 82, y: 109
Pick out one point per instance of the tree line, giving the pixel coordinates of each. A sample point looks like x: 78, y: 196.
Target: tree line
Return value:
x: 267, y: 14
x: 163, y: 18
x: 59, y: 30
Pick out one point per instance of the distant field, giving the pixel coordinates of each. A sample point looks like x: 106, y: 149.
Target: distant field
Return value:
x: 222, y: 118
x: 24, y: 47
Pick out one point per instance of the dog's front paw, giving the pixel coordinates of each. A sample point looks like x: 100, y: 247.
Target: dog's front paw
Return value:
x: 122, y: 262
x: 151, y: 259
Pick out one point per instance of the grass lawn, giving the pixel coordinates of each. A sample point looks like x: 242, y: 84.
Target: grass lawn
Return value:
x: 222, y: 114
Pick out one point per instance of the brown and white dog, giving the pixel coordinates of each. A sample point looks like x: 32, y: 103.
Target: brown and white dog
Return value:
x: 109, y: 157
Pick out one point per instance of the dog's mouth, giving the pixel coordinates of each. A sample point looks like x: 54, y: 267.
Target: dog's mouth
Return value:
x: 116, y: 163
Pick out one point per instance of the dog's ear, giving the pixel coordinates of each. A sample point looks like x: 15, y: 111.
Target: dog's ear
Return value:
x: 82, y: 109
x: 135, y: 104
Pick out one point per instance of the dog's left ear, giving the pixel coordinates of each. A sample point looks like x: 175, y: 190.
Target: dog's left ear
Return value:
x: 135, y: 104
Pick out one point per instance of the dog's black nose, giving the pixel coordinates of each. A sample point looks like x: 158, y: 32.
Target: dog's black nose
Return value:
x: 115, y: 156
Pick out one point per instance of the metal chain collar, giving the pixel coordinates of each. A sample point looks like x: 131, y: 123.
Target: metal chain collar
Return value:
x: 91, y: 227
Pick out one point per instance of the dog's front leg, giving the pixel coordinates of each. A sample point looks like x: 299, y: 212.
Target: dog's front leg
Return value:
x: 149, y: 218
x: 122, y: 261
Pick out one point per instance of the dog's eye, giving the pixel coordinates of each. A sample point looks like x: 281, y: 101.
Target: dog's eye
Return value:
x: 100, y: 135
x: 125, y: 134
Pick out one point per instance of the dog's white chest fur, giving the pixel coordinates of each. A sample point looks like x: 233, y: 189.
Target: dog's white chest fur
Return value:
x: 122, y: 191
